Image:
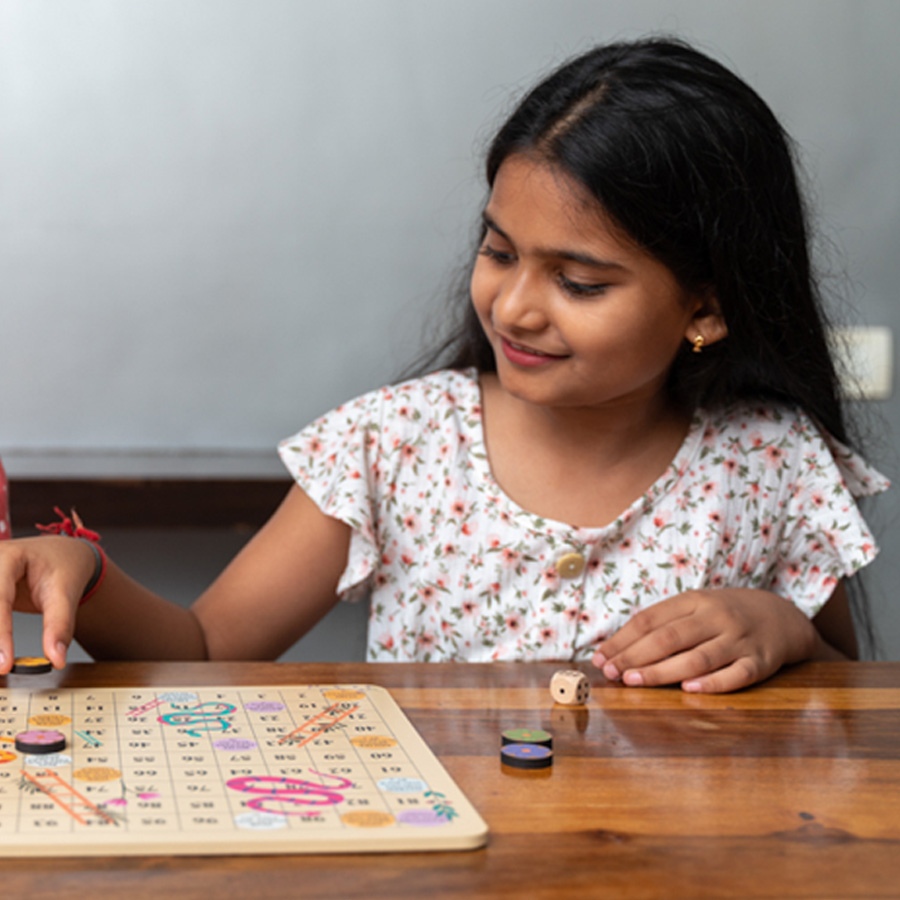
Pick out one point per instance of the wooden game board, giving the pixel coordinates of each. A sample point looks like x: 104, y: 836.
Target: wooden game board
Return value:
x: 299, y: 769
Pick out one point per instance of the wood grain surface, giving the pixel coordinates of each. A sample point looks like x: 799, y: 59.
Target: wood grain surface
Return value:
x: 789, y: 789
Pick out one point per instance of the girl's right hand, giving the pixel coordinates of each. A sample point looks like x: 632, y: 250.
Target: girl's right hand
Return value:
x: 44, y: 575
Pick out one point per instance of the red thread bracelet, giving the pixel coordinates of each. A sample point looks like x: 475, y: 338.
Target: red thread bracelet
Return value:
x: 74, y: 527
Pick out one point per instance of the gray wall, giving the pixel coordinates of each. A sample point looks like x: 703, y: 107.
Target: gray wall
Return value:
x: 219, y: 218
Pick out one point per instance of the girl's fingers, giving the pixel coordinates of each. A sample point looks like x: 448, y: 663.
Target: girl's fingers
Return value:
x: 662, y: 641
x: 10, y: 573
x: 54, y: 649
x: 59, y: 627
x: 690, y: 664
x: 42, y: 575
x: 56, y: 598
x: 740, y: 674
x: 645, y: 623
x: 6, y: 637
x: 710, y: 667
x: 707, y: 641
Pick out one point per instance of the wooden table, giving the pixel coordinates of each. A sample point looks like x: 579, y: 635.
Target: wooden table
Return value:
x: 790, y: 789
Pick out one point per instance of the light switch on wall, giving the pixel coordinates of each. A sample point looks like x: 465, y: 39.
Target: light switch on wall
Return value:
x: 865, y: 361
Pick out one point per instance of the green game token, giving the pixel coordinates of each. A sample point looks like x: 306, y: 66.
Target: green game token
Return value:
x: 528, y: 736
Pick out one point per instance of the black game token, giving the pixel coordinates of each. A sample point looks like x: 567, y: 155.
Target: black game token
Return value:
x: 526, y: 756
x: 37, y: 741
x: 32, y: 665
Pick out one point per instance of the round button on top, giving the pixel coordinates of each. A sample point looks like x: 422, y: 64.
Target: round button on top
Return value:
x: 570, y: 565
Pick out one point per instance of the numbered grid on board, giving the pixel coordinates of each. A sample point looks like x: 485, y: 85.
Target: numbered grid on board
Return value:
x: 211, y: 761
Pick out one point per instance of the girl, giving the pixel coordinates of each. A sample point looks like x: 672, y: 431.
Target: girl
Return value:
x: 633, y: 453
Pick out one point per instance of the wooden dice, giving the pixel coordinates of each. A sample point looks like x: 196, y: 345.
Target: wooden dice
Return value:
x: 570, y: 687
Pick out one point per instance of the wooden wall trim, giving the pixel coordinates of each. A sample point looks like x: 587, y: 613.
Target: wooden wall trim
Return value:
x: 243, y: 504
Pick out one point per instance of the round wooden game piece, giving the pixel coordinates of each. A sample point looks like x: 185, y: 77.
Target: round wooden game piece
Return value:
x: 528, y: 736
x: 31, y: 665
x: 40, y: 742
x: 526, y: 756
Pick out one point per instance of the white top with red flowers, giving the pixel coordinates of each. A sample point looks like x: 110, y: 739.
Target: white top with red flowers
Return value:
x: 756, y: 497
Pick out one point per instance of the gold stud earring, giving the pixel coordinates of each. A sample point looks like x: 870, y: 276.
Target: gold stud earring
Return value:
x: 698, y: 343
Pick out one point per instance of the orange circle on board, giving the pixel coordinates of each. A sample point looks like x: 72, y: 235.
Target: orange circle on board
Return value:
x: 339, y: 695
x: 97, y: 773
x: 368, y: 819
x: 49, y: 720
x: 370, y: 741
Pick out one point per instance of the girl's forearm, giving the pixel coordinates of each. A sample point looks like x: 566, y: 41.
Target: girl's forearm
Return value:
x: 834, y: 628
x: 822, y: 650
x: 124, y: 620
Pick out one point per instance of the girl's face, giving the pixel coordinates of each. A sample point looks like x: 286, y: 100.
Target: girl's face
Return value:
x: 577, y: 316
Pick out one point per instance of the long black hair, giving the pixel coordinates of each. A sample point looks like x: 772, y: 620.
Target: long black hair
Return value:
x: 694, y: 167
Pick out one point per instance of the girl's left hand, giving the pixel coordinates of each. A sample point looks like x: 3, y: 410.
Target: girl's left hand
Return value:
x: 711, y: 641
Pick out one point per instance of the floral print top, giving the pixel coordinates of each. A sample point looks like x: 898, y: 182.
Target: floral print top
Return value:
x: 756, y: 497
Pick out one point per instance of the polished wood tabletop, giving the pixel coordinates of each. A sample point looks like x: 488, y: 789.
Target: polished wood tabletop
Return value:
x: 788, y: 789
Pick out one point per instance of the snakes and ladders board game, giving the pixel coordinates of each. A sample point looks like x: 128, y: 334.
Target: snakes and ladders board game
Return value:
x: 298, y: 769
